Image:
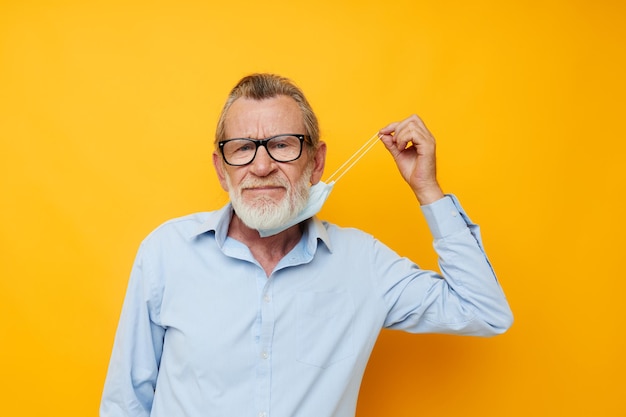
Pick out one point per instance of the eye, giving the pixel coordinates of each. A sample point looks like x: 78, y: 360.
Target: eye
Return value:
x: 280, y: 145
x: 283, y: 142
x: 243, y: 146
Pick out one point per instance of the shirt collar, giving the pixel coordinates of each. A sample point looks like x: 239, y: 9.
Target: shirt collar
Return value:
x: 219, y: 220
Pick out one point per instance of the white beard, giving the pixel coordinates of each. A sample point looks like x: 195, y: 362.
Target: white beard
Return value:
x: 265, y: 213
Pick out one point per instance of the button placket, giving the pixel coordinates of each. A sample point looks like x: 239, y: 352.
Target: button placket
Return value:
x: 264, y: 346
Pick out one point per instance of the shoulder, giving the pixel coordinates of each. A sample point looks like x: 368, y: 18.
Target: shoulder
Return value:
x: 346, y: 238
x: 183, y: 228
x: 342, y: 232
x: 353, y: 242
x: 183, y: 223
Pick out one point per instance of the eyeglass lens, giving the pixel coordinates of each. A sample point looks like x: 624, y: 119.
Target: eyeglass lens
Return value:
x: 284, y: 148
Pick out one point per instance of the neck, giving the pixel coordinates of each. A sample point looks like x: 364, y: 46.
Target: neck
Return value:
x: 268, y: 251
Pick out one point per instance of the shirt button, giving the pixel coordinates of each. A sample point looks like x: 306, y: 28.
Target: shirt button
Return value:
x: 265, y: 355
x: 262, y: 414
x: 266, y: 298
x: 454, y: 213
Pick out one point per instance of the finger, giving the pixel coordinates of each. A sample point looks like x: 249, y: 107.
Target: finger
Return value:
x: 406, y: 136
x: 389, y: 129
x: 398, y: 153
x: 390, y: 143
x: 414, y: 131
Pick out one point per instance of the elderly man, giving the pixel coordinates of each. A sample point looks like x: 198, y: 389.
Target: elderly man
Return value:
x: 221, y: 321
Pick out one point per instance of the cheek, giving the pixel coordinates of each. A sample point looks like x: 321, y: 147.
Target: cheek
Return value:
x: 299, y: 173
x: 220, y: 170
x: 295, y: 178
x: 228, y: 179
x: 224, y: 183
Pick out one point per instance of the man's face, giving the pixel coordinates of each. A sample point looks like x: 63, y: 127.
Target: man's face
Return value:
x: 266, y: 193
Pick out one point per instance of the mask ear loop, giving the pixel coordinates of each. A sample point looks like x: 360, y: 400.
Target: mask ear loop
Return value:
x: 360, y: 153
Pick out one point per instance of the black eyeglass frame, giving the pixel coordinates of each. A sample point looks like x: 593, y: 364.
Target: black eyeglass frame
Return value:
x: 263, y: 142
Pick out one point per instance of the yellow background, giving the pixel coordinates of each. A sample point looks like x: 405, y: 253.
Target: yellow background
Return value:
x: 107, y: 113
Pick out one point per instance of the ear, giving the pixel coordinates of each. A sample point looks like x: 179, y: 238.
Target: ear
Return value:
x: 319, y: 160
x: 219, y: 169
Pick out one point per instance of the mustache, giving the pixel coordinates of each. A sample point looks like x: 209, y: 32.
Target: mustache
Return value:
x: 264, y: 182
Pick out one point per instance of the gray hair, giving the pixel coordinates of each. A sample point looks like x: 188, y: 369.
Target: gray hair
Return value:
x: 264, y: 86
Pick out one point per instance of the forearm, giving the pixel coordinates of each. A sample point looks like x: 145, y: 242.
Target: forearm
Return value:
x: 133, y: 369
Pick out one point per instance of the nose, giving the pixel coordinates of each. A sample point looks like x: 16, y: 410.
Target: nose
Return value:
x: 262, y: 165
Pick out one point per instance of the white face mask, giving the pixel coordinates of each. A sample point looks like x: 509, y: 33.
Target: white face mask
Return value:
x: 319, y: 192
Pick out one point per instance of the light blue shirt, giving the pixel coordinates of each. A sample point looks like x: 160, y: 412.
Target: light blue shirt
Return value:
x: 204, y: 331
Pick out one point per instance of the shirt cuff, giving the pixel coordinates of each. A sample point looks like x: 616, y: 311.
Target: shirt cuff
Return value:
x: 444, y: 218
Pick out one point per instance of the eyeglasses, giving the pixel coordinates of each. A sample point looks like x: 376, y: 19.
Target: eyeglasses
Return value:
x: 281, y: 148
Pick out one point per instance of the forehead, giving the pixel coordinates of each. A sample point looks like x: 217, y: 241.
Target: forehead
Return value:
x: 263, y: 118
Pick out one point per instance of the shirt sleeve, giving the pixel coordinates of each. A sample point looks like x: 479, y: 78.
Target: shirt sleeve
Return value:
x: 463, y: 298
x: 133, y: 368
